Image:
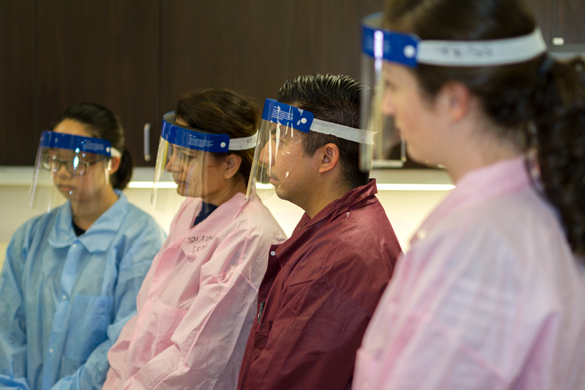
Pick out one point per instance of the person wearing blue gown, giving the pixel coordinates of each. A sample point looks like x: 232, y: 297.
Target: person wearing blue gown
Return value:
x: 71, y: 275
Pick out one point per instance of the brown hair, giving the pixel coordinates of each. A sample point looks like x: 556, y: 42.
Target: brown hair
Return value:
x: 103, y: 123
x: 542, y: 94
x: 221, y: 111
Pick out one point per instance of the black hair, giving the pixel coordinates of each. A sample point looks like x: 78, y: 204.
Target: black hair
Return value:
x: 331, y: 98
x: 540, y: 94
x: 222, y: 111
x: 103, y: 123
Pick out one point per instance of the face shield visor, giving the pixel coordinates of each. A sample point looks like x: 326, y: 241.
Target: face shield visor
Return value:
x: 189, y: 164
x: 71, y: 167
x: 282, y: 130
x: 381, y: 47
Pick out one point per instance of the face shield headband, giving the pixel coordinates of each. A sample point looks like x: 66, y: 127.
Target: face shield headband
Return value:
x: 410, y: 50
x: 303, y: 120
x: 78, y: 144
x: 67, y: 169
x: 196, y: 139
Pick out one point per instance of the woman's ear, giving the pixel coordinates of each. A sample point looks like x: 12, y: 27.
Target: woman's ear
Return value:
x: 114, y: 164
x: 233, y: 162
x: 329, y: 157
x: 454, y: 97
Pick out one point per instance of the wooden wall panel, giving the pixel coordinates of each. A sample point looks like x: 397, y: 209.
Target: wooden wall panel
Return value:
x: 543, y: 11
x: 568, y: 21
x: 325, y: 36
x: 18, y: 142
x: 100, y: 51
x: 222, y: 43
x: 254, y: 46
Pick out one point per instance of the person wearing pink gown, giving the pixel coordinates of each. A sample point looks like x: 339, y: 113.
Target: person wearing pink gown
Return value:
x: 197, y: 303
x: 491, y: 294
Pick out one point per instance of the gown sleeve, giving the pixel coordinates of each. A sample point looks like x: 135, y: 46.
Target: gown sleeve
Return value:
x: 12, y: 321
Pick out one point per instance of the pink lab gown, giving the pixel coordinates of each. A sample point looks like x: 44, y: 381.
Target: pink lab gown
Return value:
x: 197, y: 302
x: 489, y: 297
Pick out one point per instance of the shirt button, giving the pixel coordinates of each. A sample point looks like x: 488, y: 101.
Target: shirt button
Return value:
x: 73, y: 246
x: 152, y: 298
x: 272, y: 253
x: 51, y: 350
x: 64, y: 297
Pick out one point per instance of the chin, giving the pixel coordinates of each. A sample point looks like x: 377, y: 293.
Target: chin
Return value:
x: 418, y: 157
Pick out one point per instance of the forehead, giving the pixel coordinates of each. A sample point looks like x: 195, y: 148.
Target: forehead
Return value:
x: 70, y: 126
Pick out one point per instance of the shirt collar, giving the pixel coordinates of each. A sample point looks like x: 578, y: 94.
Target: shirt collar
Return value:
x: 99, y: 236
x: 493, y: 181
x: 358, y: 197
x: 183, y: 225
x: 353, y: 199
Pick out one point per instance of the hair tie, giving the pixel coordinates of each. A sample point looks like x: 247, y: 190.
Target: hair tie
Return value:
x: 546, y: 64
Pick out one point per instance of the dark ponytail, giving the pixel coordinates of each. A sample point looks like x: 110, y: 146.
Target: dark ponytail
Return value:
x: 560, y: 124
x: 123, y: 175
x: 103, y: 123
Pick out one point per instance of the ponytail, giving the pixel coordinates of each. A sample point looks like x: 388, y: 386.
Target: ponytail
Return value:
x: 560, y: 125
x: 122, y: 176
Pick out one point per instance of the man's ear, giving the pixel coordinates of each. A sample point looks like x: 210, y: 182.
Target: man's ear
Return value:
x: 114, y: 164
x: 328, y: 157
x: 233, y: 162
x: 454, y: 99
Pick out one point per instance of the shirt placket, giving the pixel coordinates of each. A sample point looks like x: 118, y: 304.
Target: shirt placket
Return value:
x: 60, y: 323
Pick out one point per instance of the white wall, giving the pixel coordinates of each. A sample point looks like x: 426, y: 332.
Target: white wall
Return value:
x: 405, y: 209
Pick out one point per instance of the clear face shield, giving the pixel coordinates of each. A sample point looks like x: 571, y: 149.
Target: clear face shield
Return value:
x: 389, y: 148
x: 70, y: 167
x: 188, y: 163
x: 381, y: 47
x: 282, y: 130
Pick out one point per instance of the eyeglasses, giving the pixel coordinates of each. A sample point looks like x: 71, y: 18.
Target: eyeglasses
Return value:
x: 75, y: 166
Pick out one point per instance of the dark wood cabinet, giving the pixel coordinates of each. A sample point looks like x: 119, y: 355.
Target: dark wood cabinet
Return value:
x: 103, y: 51
x: 543, y: 13
x: 253, y: 47
x: 18, y: 140
x: 568, y: 22
x: 137, y: 56
x: 562, y: 21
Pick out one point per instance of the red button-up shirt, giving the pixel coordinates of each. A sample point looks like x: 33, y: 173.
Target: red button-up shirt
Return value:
x: 318, y: 295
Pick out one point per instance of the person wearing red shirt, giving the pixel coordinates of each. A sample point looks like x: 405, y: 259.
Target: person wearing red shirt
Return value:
x: 322, y: 284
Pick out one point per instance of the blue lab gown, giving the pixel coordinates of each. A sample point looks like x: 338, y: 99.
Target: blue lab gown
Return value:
x: 64, y: 299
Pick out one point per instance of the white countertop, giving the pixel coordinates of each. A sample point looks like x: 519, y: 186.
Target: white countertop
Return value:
x: 388, y: 179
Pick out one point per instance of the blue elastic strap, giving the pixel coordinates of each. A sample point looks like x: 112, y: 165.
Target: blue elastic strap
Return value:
x: 77, y: 143
x: 286, y: 115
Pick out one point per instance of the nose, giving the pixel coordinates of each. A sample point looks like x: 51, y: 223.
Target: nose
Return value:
x: 267, y: 154
x: 387, y: 105
x: 173, y: 165
x: 62, y: 172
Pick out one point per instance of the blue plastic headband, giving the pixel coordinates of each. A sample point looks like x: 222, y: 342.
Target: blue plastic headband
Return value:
x: 77, y: 143
x: 289, y: 116
x: 194, y: 139
x: 390, y: 46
